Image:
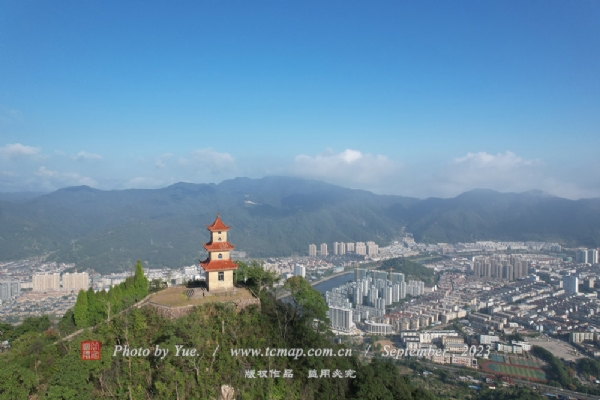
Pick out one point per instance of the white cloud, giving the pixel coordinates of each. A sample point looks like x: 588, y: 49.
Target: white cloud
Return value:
x: 160, y: 162
x: 43, y: 171
x: 211, y: 160
x: 84, y: 155
x: 349, y: 166
x: 18, y: 150
x: 503, y: 171
x: 501, y: 161
x: 50, y: 179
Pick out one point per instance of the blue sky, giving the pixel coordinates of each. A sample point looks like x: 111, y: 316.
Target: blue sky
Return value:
x: 413, y: 98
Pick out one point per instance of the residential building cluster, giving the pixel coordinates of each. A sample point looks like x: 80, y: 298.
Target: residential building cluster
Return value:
x: 365, y: 299
x: 370, y: 249
x: 502, y: 266
x: 51, y: 282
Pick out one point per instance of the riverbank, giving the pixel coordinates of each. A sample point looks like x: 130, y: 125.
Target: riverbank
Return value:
x: 322, y: 282
x: 331, y: 277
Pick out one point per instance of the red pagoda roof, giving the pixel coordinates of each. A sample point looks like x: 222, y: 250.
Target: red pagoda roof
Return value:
x: 216, y: 246
x: 218, y: 225
x: 217, y: 265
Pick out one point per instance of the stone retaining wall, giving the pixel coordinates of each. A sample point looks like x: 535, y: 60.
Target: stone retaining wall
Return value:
x: 176, y: 312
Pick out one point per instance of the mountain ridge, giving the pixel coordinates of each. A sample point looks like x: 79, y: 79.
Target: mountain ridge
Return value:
x: 272, y: 216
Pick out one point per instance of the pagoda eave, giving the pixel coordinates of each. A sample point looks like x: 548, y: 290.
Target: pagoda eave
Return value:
x: 217, y: 265
x: 218, y: 246
x: 218, y: 225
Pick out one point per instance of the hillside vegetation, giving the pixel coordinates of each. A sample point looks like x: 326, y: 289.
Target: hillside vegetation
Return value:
x: 410, y: 269
x: 273, y: 216
x: 38, y: 365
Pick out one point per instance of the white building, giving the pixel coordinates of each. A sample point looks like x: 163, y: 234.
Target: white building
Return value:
x: 592, y: 256
x: 372, y: 249
x: 581, y: 256
x: 46, y: 282
x: 312, y: 250
x: 378, y: 328
x: 300, y: 270
x: 9, y: 290
x: 324, y: 250
x: 488, y: 339
x: 341, y: 319
x: 76, y: 281
x: 360, y: 248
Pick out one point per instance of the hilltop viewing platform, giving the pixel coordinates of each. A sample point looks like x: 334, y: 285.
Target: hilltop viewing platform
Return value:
x: 174, y: 302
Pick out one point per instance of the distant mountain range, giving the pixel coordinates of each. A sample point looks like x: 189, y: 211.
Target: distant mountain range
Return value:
x: 272, y: 216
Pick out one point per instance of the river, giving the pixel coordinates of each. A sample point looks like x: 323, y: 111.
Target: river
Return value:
x: 334, y: 282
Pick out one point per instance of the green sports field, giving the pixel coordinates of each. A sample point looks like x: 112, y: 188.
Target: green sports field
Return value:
x: 497, y: 357
x: 514, y: 370
x: 525, y: 362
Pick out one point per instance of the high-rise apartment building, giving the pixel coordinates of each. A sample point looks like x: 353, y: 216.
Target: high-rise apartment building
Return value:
x: 312, y: 250
x: 9, y: 290
x: 360, y: 273
x: 324, y: 250
x: 341, y: 319
x: 372, y: 249
x: 341, y: 248
x: 396, y: 277
x: 360, y: 248
x: 592, y: 256
x: 350, y: 247
x: 76, y: 281
x: 501, y: 267
x: 571, y: 284
x: 300, y: 270
x: 581, y: 256
x: 358, y: 296
x: 46, y: 282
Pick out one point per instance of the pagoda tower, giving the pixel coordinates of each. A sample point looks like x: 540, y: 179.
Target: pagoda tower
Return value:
x: 218, y: 266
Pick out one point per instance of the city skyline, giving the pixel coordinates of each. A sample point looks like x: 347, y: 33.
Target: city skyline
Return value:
x: 404, y: 99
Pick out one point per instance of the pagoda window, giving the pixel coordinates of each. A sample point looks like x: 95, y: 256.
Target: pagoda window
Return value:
x: 220, y: 256
x: 219, y: 238
x: 221, y: 275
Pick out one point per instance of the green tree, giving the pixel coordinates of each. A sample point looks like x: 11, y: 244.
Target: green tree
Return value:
x: 29, y: 324
x: 66, y: 325
x: 115, y: 297
x: 155, y: 285
x: 16, y: 382
x: 306, y: 301
x: 70, y: 380
x: 140, y: 282
x: 80, y: 310
x: 255, y: 277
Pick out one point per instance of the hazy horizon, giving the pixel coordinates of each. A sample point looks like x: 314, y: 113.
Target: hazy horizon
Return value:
x: 277, y: 176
